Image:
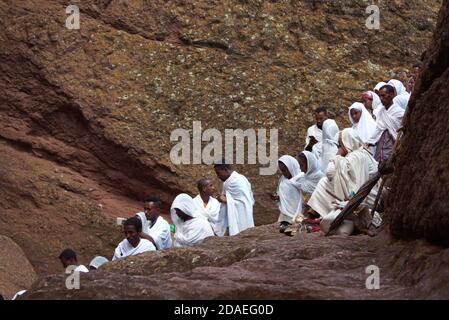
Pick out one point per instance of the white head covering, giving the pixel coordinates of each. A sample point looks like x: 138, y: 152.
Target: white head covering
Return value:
x: 313, y: 174
x: 291, y: 164
x: 376, y: 100
x: 402, y: 100
x: 398, y: 85
x: 185, y: 203
x: 366, y: 125
x: 379, y: 85
x: 98, y: 261
x: 330, y: 145
x: 351, y: 140
x: 330, y: 129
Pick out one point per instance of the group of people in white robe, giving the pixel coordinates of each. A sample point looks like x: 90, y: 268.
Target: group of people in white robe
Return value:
x: 317, y: 185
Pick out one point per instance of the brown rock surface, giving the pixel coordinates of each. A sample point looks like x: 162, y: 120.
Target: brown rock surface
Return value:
x: 16, y: 272
x: 418, y: 205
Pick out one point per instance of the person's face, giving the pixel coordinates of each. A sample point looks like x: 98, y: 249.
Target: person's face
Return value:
x: 67, y: 262
x: 209, y: 188
x: 416, y: 71
x: 302, y: 163
x: 181, y: 214
x: 320, y: 117
x: 355, y: 115
x: 222, y: 174
x: 151, y: 210
x: 132, y: 235
x: 368, y: 103
x: 410, y: 84
x: 385, y: 97
x: 284, y: 170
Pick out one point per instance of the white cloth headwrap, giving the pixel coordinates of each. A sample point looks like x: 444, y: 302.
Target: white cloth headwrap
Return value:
x: 402, y: 100
x: 387, y: 120
x: 398, y: 85
x: 290, y: 202
x: 366, y: 125
x: 379, y: 85
x: 330, y: 145
x: 310, y: 179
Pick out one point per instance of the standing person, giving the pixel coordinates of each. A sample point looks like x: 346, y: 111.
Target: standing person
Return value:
x: 133, y: 244
x: 388, y: 121
x: 362, y: 121
x: 68, y: 258
x: 208, y: 205
x: 191, y: 227
x: 237, y: 200
x: 330, y: 143
x: 315, y: 133
x: 155, y: 228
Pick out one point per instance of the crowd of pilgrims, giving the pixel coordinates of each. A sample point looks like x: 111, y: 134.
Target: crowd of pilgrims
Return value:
x: 313, y: 187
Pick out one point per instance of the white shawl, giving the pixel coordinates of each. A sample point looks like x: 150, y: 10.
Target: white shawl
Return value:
x: 193, y: 231
x: 160, y: 231
x: 211, y: 212
x: 290, y: 202
x: 366, y: 126
x: 387, y: 120
x: 310, y: 179
x: 238, y: 210
x: 318, y: 134
x: 125, y: 249
x: 330, y: 146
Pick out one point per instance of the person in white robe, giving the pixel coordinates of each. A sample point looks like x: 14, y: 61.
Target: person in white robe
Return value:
x: 346, y: 173
x: 237, y: 200
x: 133, y: 244
x: 289, y: 191
x: 388, y: 121
x: 329, y: 144
x: 68, y: 258
x: 402, y: 95
x: 154, y: 227
x: 362, y: 121
x: 208, y: 205
x: 191, y: 227
x: 315, y: 134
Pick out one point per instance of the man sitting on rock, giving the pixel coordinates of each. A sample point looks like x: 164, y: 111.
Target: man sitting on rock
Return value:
x: 208, y: 205
x: 133, y: 244
x: 315, y: 134
x: 191, y: 227
x: 155, y: 228
x: 68, y: 258
x: 237, y: 200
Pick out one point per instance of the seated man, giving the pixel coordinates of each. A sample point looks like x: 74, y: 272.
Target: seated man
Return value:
x: 133, y: 244
x: 190, y: 225
x: 68, y: 258
x: 346, y: 173
x: 315, y: 134
x: 154, y: 227
x: 207, y: 204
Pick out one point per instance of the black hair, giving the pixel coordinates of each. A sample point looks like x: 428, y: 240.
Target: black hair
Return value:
x: 417, y: 65
x: 388, y: 87
x: 302, y: 155
x: 156, y: 200
x: 202, y: 183
x: 222, y: 165
x: 134, y: 221
x: 321, y: 109
x: 68, y: 254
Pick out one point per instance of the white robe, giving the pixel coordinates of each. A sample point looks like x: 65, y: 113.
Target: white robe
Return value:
x: 318, y: 134
x: 387, y: 120
x: 237, y: 213
x: 344, y: 177
x: 211, y: 212
x: 289, y: 191
x: 191, y: 232
x: 366, y: 126
x: 160, y: 231
x: 125, y: 249
x: 329, y: 143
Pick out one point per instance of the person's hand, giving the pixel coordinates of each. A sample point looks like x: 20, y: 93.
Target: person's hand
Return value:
x: 313, y: 140
x: 221, y: 198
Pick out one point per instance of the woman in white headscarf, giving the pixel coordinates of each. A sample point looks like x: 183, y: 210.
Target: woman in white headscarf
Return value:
x: 378, y: 86
x: 362, y: 122
x: 190, y: 225
x: 289, y: 191
x: 346, y: 173
x: 402, y: 96
x: 371, y: 101
x: 329, y: 144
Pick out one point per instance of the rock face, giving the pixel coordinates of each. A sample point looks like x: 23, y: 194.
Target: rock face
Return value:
x: 16, y: 272
x: 418, y: 202
x: 86, y: 115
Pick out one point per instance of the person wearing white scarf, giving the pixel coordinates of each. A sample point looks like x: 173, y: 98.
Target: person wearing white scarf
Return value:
x: 388, y: 121
x: 316, y: 132
x: 237, y: 200
x: 289, y: 190
x: 378, y: 86
x: 402, y: 96
x: 208, y: 205
x: 191, y: 227
x: 346, y: 173
x: 329, y: 144
x: 365, y: 124
x: 133, y: 244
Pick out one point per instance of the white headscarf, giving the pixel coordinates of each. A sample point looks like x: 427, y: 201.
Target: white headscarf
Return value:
x: 313, y: 175
x: 398, y: 85
x: 290, y: 202
x: 330, y: 146
x: 376, y: 100
x: 402, y: 100
x: 185, y: 203
x: 98, y: 261
x: 351, y: 140
x: 366, y: 125
x: 379, y: 85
